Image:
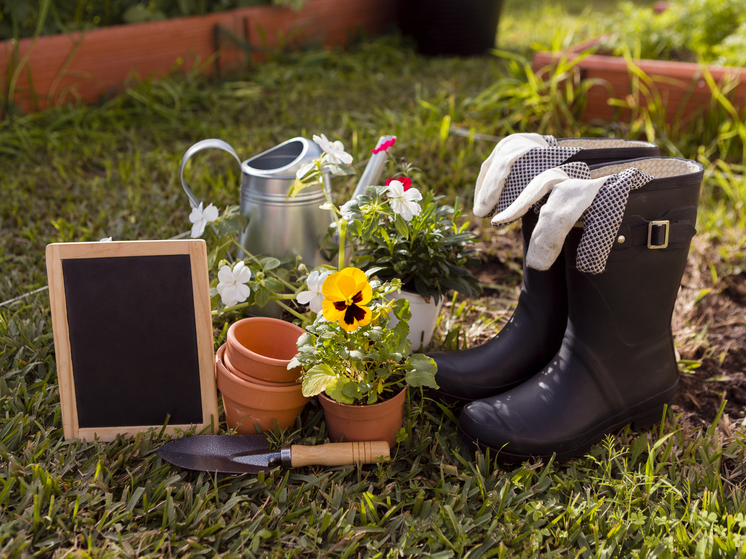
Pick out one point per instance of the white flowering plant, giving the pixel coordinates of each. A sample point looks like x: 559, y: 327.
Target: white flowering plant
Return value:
x: 396, y: 230
x: 411, y: 237
x: 429, y: 252
x: 348, y: 352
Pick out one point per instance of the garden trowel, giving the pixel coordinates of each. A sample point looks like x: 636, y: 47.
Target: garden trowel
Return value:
x: 251, y: 454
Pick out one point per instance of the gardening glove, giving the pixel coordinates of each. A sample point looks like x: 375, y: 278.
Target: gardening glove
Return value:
x: 497, y: 167
x: 574, y: 195
x: 516, y: 160
x: 602, y: 219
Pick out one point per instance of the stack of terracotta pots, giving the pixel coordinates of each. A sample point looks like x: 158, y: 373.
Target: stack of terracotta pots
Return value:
x: 252, y: 375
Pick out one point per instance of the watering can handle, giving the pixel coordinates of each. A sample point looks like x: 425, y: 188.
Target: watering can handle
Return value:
x: 199, y: 146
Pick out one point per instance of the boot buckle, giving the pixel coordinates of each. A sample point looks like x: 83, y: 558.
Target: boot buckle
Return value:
x: 658, y: 234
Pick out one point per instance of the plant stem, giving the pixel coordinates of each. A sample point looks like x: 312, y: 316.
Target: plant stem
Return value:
x: 342, y: 228
x: 277, y: 300
x: 228, y: 309
x: 256, y: 261
x: 302, y: 318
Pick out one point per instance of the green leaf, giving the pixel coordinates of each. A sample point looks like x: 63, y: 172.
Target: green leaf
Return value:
x: 231, y: 225
x: 377, y: 190
x: 404, y: 348
x: 357, y: 355
x: 273, y: 285
x: 299, y: 185
x: 340, y: 169
x: 261, y: 297
x: 269, y: 263
x: 401, y: 309
x: 351, y: 390
x: 423, y: 363
x: 423, y: 373
x: 370, y: 271
x: 305, y: 339
x: 354, y: 228
x: 317, y: 379
x: 375, y: 333
x: 335, y: 390
x: 401, y: 226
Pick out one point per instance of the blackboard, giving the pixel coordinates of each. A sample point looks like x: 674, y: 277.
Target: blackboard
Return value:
x: 133, y: 336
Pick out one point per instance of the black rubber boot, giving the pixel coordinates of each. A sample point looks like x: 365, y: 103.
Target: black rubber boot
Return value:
x: 534, y: 333
x: 522, y: 347
x: 616, y: 364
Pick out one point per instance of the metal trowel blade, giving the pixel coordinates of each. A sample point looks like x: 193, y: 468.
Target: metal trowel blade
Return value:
x: 230, y: 454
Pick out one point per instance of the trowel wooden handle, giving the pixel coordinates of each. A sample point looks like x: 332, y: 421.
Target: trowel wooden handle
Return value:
x: 338, y: 454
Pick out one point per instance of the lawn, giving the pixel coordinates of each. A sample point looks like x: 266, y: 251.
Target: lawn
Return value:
x: 83, y: 173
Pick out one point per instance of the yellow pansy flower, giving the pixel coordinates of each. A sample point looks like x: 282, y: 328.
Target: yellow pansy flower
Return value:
x: 345, y: 295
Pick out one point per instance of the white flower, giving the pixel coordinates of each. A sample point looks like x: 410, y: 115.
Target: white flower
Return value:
x: 313, y: 297
x: 200, y: 218
x: 404, y: 203
x: 334, y: 150
x: 105, y: 240
x: 232, y: 286
x: 349, y: 209
x: 304, y: 170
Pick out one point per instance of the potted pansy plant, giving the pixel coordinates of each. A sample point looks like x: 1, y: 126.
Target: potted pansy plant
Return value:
x: 357, y: 364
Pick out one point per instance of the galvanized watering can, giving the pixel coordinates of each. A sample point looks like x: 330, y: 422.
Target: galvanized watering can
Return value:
x: 278, y: 226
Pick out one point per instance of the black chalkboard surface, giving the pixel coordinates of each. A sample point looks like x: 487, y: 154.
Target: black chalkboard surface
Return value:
x: 133, y: 336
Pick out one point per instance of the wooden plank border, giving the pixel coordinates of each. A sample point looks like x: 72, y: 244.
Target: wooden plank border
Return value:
x: 86, y: 66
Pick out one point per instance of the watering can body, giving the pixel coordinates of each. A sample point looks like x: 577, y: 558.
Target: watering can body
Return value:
x: 278, y: 226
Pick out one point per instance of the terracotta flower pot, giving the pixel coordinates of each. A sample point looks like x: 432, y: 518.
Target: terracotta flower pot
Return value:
x: 261, y: 348
x: 228, y: 365
x: 377, y: 422
x: 246, y: 402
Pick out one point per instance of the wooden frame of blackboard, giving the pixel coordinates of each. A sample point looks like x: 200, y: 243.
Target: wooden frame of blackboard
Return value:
x: 58, y: 253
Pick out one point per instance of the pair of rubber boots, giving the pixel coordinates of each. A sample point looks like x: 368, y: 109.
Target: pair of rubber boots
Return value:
x: 585, y: 354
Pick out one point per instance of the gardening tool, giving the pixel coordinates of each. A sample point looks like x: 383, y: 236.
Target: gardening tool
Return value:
x: 616, y: 363
x: 251, y: 454
x: 278, y: 226
x: 373, y: 170
x: 534, y: 333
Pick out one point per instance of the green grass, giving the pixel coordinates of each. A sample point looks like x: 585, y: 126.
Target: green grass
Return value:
x: 83, y: 173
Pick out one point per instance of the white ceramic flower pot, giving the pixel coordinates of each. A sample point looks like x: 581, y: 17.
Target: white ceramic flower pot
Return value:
x: 424, y: 316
